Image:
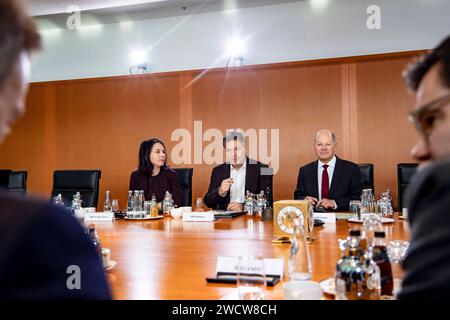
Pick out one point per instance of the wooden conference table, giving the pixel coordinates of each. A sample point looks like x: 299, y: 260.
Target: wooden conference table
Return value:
x: 169, y: 259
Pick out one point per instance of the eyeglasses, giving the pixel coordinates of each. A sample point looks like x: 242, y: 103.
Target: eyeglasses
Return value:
x: 424, y: 117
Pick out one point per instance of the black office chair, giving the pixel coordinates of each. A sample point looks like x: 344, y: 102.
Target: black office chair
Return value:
x: 367, y: 174
x: 18, y: 182
x: 405, y: 172
x: 68, y: 182
x: 4, y: 178
x: 185, y: 178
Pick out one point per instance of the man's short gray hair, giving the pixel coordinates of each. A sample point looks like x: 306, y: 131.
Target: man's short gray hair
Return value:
x: 330, y: 133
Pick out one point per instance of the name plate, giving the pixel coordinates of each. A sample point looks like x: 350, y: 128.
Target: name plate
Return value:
x: 99, y: 216
x: 327, y: 217
x: 198, y: 216
x: 274, y: 267
x: 344, y: 215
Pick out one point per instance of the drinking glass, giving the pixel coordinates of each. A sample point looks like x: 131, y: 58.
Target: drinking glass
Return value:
x: 199, y: 205
x: 371, y: 224
x: 397, y: 251
x: 251, y: 278
x: 367, y: 201
x: 310, y: 225
x: 355, y: 208
x: 299, y: 264
x: 115, y: 205
x: 147, y: 207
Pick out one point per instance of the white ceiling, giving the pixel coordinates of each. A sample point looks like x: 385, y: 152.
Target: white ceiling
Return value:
x: 58, y: 7
x: 52, y: 14
x: 46, y: 7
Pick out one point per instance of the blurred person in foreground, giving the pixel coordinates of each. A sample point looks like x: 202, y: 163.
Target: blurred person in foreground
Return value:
x: 44, y: 252
x: 427, y: 262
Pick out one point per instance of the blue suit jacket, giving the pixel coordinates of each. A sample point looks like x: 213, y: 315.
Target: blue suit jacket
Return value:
x: 38, y: 242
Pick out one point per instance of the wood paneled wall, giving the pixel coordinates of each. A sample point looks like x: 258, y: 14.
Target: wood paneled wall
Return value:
x: 99, y: 123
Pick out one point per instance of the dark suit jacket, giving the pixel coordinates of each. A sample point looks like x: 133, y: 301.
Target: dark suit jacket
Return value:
x: 255, y: 182
x: 38, y: 243
x: 427, y: 263
x: 345, y: 184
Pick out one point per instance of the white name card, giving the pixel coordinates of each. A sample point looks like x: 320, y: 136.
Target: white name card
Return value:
x: 327, y: 217
x: 231, y: 265
x: 344, y: 215
x: 99, y: 216
x: 198, y: 216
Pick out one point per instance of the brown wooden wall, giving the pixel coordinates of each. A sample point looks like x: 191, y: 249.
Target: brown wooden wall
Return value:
x: 99, y: 123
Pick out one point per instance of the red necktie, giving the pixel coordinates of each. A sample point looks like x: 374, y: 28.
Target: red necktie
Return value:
x: 325, y: 182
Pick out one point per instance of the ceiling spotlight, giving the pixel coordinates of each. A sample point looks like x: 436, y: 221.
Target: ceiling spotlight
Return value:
x: 139, y: 61
x: 235, y: 51
x: 319, y: 5
x: 138, y: 56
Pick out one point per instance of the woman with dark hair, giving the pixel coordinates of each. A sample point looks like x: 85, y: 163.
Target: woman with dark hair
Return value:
x: 153, y: 175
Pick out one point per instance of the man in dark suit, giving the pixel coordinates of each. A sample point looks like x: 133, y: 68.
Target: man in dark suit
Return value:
x: 44, y: 252
x: 427, y: 262
x: 230, y: 181
x: 329, y: 182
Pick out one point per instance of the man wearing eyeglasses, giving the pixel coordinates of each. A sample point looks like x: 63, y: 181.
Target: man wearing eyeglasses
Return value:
x: 330, y: 182
x: 427, y: 263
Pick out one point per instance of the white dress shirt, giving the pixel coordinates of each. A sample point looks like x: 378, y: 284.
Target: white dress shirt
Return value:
x: 331, y: 165
x: 237, y: 190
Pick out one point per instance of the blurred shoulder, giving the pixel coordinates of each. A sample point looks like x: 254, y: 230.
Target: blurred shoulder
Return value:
x: 19, y: 213
x: 434, y: 176
x: 437, y: 169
